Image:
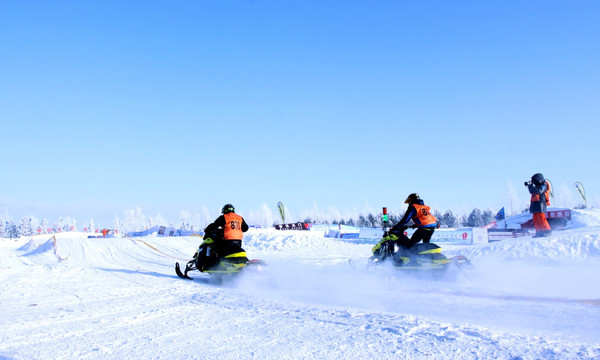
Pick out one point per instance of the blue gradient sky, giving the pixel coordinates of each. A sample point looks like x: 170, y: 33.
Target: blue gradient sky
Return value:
x: 347, y: 105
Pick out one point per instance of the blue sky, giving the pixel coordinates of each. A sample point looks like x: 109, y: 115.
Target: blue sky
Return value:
x: 182, y: 105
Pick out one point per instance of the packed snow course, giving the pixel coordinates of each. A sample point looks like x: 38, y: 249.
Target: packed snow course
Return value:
x: 67, y: 296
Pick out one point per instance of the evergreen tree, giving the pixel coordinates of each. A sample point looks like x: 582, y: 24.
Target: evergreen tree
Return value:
x: 44, y: 226
x: 117, y: 225
x: 11, y: 229
x: 25, y: 228
x: 2, y: 227
x: 475, y: 219
x: 372, y: 220
x: 59, y: 225
x: 72, y: 224
x: 362, y: 222
x: 487, y: 217
x: 394, y: 219
x: 448, y: 220
x: 135, y: 220
x: 91, y: 226
x: 438, y: 215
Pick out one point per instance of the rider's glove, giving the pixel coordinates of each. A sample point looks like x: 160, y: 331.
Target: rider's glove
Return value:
x: 391, y: 237
x: 376, y: 248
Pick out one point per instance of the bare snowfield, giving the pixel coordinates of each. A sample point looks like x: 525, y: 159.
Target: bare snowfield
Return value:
x: 119, y: 298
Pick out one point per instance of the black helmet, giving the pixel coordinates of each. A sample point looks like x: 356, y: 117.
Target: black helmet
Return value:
x: 411, y: 198
x: 538, y: 179
x: 227, y: 209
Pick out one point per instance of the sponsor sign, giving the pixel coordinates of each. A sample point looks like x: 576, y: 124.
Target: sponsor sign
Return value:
x: 293, y: 226
x: 461, y: 236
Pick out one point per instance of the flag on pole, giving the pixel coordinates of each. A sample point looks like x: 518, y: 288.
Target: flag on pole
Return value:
x: 500, y: 215
x: 579, y: 187
x: 281, y: 211
x: 551, y: 189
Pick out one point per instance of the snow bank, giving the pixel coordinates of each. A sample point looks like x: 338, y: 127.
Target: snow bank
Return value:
x: 562, y: 245
x: 119, y: 298
x: 585, y: 218
x: 300, y: 244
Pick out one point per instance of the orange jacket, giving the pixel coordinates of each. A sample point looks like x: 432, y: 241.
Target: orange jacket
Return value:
x: 233, y: 227
x: 540, y: 197
x: 423, y: 216
x: 419, y: 213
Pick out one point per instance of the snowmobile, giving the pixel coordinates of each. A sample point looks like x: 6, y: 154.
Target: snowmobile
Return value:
x: 422, y: 258
x: 219, y: 267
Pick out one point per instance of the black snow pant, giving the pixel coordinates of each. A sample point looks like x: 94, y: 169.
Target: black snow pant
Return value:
x: 227, y: 247
x: 209, y: 254
x: 205, y: 257
x: 423, y: 234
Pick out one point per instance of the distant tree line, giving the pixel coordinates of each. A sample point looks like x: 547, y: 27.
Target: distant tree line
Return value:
x: 136, y: 221
x: 448, y: 219
x: 28, y: 226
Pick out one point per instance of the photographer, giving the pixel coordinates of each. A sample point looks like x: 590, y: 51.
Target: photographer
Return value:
x: 539, y: 189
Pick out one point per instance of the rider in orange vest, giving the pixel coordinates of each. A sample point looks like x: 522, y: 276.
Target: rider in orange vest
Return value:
x: 221, y: 238
x: 422, y: 218
x: 539, y: 189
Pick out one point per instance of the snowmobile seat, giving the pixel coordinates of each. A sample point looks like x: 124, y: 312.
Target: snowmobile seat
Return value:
x: 425, y: 248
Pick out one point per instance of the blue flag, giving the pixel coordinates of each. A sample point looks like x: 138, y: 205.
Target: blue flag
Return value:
x: 500, y: 215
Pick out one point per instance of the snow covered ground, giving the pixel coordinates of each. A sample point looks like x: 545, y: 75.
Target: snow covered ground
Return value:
x: 118, y: 298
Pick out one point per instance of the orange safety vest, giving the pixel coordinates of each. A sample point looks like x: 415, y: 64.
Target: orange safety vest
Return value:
x: 536, y: 197
x: 423, y: 215
x: 233, y: 227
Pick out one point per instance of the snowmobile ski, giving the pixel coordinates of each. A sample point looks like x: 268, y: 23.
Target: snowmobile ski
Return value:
x: 224, y: 269
x: 180, y: 274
